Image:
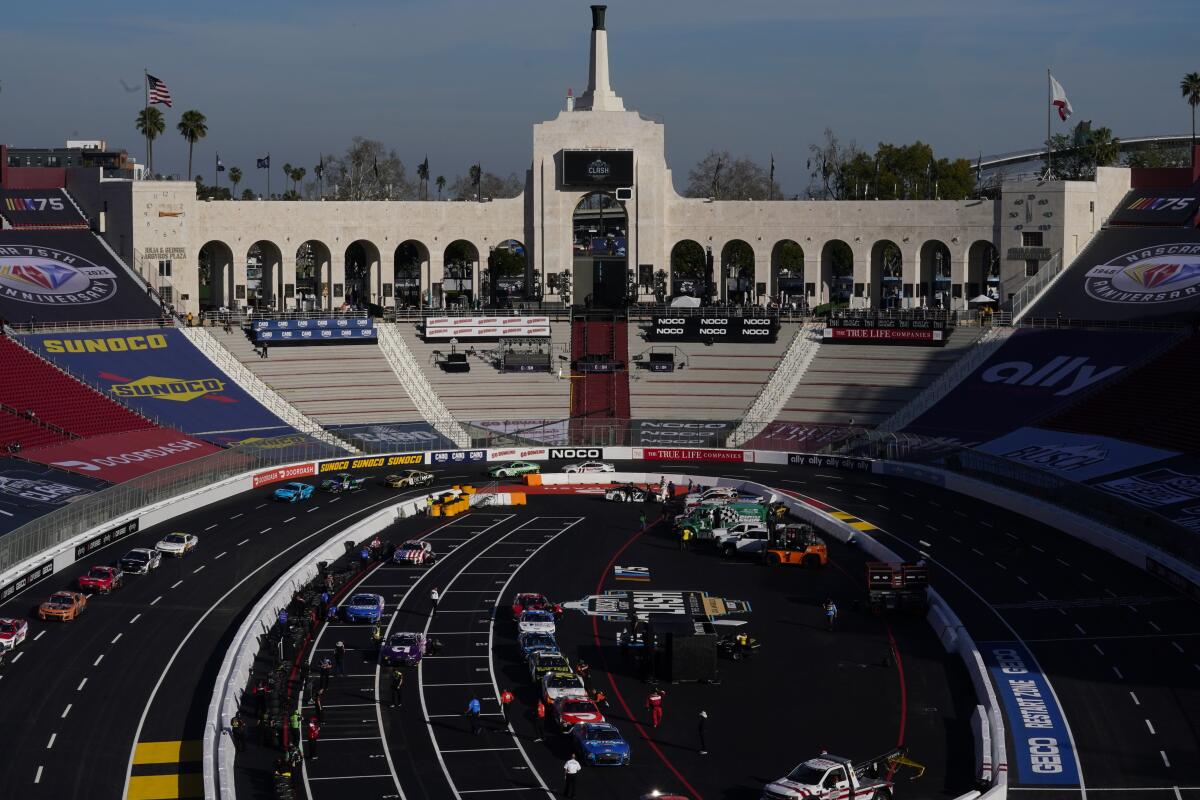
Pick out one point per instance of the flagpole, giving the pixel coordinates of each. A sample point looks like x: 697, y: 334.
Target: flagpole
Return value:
x: 216, y: 172
x: 268, y: 174
x: 1049, y: 105
x: 146, y: 116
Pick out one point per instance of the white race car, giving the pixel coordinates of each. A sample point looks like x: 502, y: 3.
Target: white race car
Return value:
x: 414, y: 552
x: 140, y: 560
x: 589, y: 466
x: 12, y: 633
x: 556, y: 685
x: 177, y: 544
x: 536, y: 621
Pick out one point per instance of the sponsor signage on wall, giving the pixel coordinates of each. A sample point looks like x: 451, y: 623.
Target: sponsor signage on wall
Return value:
x: 612, y: 168
x: 882, y: 335
x: 458, y: 457
x: 691, y: 454
x: 326, y: 334
x: 830, y: 462
x: 284, y: 474
x: 395, y: 437
x: 108, y: 537
x: 26, y: 579
x: 1169, y: 488
x: 679, y: 433
x: 311, y: 324
x: 120, y: 457
x: 519, y: 454
x: 575, y: 453
x: 717, y: 329
x: 371, y: 462
x: 38, y: 208
x: 1157, y: 207
x: 1076, y: 456
x: 485, y: 327
x: 28, y: 490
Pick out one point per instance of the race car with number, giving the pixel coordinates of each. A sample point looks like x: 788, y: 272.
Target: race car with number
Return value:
x: 140, y: 561
x: 590, y: 466
x: 414, y: 552
x: 63, y: 606
x: 514, y: 469
x: 177, y: 544
x: 625, y: 493
x: 342, y: 482
x: 533, y: 642
x: 291, y: 492
x: 12, y: 633
x: 536, y: 620
x: 543, y: 661
x: 571, y: 711
x: 600, y: 743
x: 409, y: 478
x: 102, y: 580
x: 403, y: 648
x: 527, y: 601
x: 558, y: 685
x: 363, y: 607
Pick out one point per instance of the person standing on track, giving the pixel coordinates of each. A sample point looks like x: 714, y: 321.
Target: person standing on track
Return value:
x: 434, y: 597
x: 831, y: 612
x: 570, y: 770
x: 237, y: 732
x: 539, y: 719
x: 314, y: 733
x: 654, y: 702
x: 319, y: 705
x: 339, y: 657
x: 397, y: 684
x: 294, y: 722
x: 700, y: 726
x: 473, y: 713
x: 326, y: 671
x: 506, y: 697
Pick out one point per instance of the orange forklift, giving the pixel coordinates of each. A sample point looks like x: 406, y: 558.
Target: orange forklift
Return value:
x: 797, y: 543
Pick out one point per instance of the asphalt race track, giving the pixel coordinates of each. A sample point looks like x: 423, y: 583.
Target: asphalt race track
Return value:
x: 1119, y: 648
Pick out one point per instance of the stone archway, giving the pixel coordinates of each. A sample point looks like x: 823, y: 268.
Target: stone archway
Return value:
x: 737, y: 272
x: 459, y: 285
x: 314, y: 276
x: 787, y: 274
x: 887, y: 275
x: 508, y: 269
x: 933, y: 281
x: 362, y: 274
x: 600, y: 263
x: 410, y: 263
x: 216, y: 276
x: 837, y: 274
x: 264, y: 275
x: 689, y: 270
x: 983, y: 270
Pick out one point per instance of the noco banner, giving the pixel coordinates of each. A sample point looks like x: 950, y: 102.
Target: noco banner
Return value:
x: 717, y: 329
x: 597, y: 168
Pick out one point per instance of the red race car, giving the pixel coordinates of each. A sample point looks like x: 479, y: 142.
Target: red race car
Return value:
x: 102, y: 579
x: 572, y: 711
x: 530, y: 601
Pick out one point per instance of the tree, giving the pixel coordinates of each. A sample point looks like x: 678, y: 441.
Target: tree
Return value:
x: 441, y: 184
x: 287, y: 174
x: 423, y: 177
x: 1190, y: 86
x: 247, y: 194
x: 367, y: 171
x: 193, y: 127
x: 151, y: 125
x: 1077, y: 155
x: 828, y: 163
x: 469, y: 187
x: 235, y: 177
x: 722, y: 177
x: 297, y: 176
x: 892, y: 172
x: 1156, y: 156
x: 476, y: 173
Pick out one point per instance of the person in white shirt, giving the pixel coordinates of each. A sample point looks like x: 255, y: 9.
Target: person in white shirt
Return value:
x: 433, y: 598
x: 570, y: 770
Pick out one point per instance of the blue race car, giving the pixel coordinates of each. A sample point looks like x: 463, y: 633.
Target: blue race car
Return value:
x: 599, y: 743
x: 363, y: 607
x: 531, y: 642
x: 294, y: 491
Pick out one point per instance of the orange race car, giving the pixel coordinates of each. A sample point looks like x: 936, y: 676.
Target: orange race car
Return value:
x: 63, y: 606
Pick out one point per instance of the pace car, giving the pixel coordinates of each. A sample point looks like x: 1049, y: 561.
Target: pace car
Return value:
x: 12, y: 633
x: 294, y: 491
x: 177, y: 544
x: 536, y: 621
x: 403, y: 648
x: 514, y: 469
x: 600, y: 743
x: 140, y: 561
x: 543, y: 661
x: 342, y: 482
x: 625, y: 493
x: 102, y: 579
x: 590, y: 466
x: 557, y: 685
x: 525, y: 601
x: 414, y: 552
x: 572, y: 711
x: 409, y: 478
x: 532, y: 642
x: 63, y: 606
x: 363, y: 607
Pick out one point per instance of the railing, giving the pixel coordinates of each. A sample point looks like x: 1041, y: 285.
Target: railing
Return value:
x: 1024, y: 297
x: 780, y: 386
x: 101, y: 325
x: 259, y: 389
x: 427, y: 401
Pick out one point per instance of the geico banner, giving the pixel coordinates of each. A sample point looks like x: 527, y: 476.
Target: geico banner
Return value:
x: 485, y: 331
x: 372, y: 462
x: 519, y: 454
x: 284, y: 474
x: 882, y: 335
x: 692, y: 454
x: 717, y: 329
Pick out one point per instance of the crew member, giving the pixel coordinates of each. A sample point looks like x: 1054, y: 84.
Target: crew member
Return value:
x: 314, y: 733
x: 831, y: 612
x: 654, y: 702
x: 473, y: 713
x: 319, y: 704
x: 570, y: 770
x: 397, y: 684
x: 326, y: 671
x: 700, y: 726
x: 506, y: 697
x: 237, y: 732
x: 295, y: 724
x: 539, y: 719
x: 685, y: 537
x: 339, y: 657
x: 434, y: 597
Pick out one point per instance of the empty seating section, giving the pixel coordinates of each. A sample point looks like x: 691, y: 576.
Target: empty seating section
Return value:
x: 15, y: 429
x: 487, y: 393
x: 1156, y: 405
x: 335, y: 384
x: 27, y: 382
x: 866, y: 384
x: 717, y: 382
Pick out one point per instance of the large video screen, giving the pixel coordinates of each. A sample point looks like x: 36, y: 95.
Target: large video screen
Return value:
x: 612, y: 168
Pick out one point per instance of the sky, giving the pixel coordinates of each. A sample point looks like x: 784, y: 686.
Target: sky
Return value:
x: 464, y: 81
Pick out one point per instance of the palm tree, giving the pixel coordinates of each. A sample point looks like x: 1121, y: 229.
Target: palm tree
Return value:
x: 423, y: 177
x: 441, y: 184
x: 297, y: 176
x: 1190, y: 86
x: 235, y: 177
x: 150, y: 124
x: 193, y: 126
x: 476, y: 173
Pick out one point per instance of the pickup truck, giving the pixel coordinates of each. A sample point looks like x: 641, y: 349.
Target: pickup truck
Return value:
x: 830, y: 777
x: 742, y: 538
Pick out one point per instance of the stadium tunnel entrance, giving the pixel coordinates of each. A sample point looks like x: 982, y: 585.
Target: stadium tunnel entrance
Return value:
x: 600, y: 244
x: 217, y: 286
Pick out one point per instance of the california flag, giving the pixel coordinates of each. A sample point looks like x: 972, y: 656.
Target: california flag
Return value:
x: 1060, y: 100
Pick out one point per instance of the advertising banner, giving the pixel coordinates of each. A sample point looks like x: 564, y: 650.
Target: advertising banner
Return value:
x: 285, y: 474
x: 312, y: 324
x: 26, y: 579
x: 38, y: 208
x: 1129, y: 274
x: 118, y: 457
x: 1169, y: 488
x: 597, y: 168
x: 519, y: 454
x: 830, y: 462
x: 717, y: 329
x: 485, y: 322
x: 395, y: 437
x: 371, y: 462
x: 27, y: 491
x: 799, y: 436
x: 1035, y: 373
x: 66, y: 276
x: 1075, y: 456
x: 159, y: 373
x: 458, y: 457
x: 485, y: 327
x: 1170, y: 207
x: 1042, y: 748
x: 883, y: 335
x: 83, y: 549
x: 539, y: 431
x: 676, y: 433
x: 690, y: 454
x: 316, y: 335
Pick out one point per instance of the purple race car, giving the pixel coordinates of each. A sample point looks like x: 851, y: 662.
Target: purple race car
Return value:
x: 403, y: 649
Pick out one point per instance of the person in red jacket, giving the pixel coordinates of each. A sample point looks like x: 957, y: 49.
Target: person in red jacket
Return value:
x: 506, y: 697
x: 654, y: 702
x: 314, y: 733
x: 539, y: 719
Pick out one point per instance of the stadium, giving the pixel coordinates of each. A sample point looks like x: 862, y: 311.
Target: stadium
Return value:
x: 821, y: 523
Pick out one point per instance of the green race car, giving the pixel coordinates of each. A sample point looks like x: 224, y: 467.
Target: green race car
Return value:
x: 342, y: 482
x: 514, y: 469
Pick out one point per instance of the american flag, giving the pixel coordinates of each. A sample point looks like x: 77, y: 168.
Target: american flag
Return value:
x: 159, y: 93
